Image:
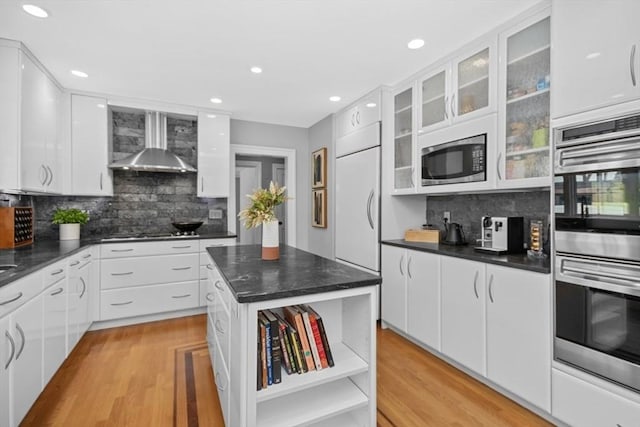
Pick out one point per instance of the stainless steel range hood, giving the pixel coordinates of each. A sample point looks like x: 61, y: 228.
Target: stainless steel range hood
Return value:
x: 155, y: 157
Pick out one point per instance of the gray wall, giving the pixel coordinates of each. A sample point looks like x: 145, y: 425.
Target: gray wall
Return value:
x: 321, y: 240
x: 269, y: 135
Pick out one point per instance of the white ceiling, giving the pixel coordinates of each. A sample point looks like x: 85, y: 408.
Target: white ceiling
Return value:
x: 188, y: 51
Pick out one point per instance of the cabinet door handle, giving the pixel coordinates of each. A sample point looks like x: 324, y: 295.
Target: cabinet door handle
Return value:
x: 56, y: 292
x: 202, y: 184
x: 101, y: 181
x: 446, y: 106
x: 127, y: 273
x: 10, y: 300
x: 209, y: 297
x: 220, y: 387
x: 50, y: 176
x: 352, y: 119
x: 400, y: 265
x: 87, y: 256
x: 122, y: 250
x: 453, y: 101
x: 74, y: 263
x: 409, y: 267
x: 357, y: 117
x: 13, y: 349
x: 84, y: 288
x: 180, y: 268
x: 475, y: 285
x: 490, y: 288
x: 209, y: 267
x: 21, y: 332
x: 498, y: 166
x: 180, y: 296
x: 369, y: 202
x: 58, y: 271
x: 219, y: 327
x: 42, y: 179
x: 181, y: 247
x: 632, y: 64
x: 219, y: 286
x: 121, y: 303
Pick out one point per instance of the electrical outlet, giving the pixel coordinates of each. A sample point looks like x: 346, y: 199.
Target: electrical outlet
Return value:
x: 215, y: 213
x: 447, y: 216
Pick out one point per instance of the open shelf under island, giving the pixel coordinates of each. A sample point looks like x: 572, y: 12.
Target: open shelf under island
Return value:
x: 239, y: 285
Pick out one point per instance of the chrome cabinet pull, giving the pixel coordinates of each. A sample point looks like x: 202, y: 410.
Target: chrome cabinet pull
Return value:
x: 100, y: 180
x: 180, y: 296
x: 84, y: 288
x: 73, y: 264
x: 453, y: 101
x: 122, y: 250
x: 181, y: 247
x: 56, y: 292
x: 358, y: 117
x: 180, y: 268
x: 10, y: 300
x: 490, y: 288
x: 209, y: 267
x: 369, y: 202
x: 202, y: 184
x: 209, y: 297
x: 220, y: 387
x: 219, y: 286
x: 219, y: 327
x: 50, y: 176
x: 121, y: 303
x: 400, y: 265
x: 498, y: 166
x: 632, y: 64
x: 122, y: 274
x: 13, y: 349
x: 87, y: 256
x: 42, y: 179
x: 475, y: 285
x: 21, y: 332
x: 409, y: 267
x: 55, y: 273
x: 446, y: 104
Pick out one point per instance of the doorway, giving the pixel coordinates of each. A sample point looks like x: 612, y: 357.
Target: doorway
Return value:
x: 248, y: 178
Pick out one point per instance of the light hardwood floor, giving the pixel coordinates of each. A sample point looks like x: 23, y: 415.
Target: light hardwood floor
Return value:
x: 158, y: 374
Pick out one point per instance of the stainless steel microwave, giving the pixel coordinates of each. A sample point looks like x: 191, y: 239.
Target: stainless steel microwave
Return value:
x: 452, y: 162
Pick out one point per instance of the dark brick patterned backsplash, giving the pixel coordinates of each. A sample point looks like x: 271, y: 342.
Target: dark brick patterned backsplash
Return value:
x: 468, y: 209
x: 142, y: 202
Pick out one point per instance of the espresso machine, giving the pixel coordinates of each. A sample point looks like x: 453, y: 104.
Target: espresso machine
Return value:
x: 502, y: 235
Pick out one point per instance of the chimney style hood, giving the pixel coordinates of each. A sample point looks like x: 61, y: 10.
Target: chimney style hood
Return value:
x: 155, y: 157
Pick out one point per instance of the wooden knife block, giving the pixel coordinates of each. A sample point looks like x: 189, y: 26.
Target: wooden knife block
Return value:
x: 428, y: 236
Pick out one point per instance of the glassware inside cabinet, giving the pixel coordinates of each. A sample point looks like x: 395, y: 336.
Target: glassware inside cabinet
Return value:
x: 527, y: 103
x: 473, y: 83
x: 403, y: 139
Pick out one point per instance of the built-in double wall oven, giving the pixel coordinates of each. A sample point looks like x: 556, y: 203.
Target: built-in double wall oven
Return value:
x: 597, y: 249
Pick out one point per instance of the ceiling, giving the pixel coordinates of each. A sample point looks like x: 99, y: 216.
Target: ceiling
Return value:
x: 188, y: 51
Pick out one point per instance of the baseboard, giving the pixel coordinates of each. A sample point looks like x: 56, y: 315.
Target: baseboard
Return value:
x: 114, y: 323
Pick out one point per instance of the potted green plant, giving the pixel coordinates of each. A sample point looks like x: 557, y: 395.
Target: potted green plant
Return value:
x: 261, y: 211
x: 69, y: 221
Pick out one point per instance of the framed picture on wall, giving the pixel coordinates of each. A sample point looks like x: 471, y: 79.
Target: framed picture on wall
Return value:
x: 319, y: 208
x: 319, y: 170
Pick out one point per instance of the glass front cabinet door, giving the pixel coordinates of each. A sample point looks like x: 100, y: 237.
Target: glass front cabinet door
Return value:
x: 524, y: 154
x: 403, y: 141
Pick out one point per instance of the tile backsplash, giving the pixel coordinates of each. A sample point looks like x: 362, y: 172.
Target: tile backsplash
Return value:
x: 142, y: 202
x: 468, y: 209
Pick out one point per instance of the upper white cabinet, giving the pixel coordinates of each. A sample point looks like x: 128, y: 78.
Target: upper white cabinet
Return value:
x: 404, y: 140
x: 365, y: 111
x: 10, y: 117
x: 460, y: 89
x: 596, y: 54
x: 524, y: 151
x: 213, y: 155
x: 90, y: 153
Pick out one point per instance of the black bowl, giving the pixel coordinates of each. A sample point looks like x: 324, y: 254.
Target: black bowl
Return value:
x: 186, y: 226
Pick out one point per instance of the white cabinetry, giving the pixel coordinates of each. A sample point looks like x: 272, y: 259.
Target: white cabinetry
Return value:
x: 519, y: 333
x: 213, y: 155
x: 359, y: 115
x: 204, y: 262
x: 524, y: 150
x: 55, y: 326
x: 463, y: 312
x: 7, y: 350
x: 394, y: 287
x: 90, y: 153
x: 404, y: 140
x: 596, y: 58
x: 79, y: 317
x: 580, y: 403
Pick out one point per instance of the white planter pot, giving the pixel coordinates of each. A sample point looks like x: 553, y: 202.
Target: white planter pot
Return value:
x: 69, y: 231
x: 270, y: 240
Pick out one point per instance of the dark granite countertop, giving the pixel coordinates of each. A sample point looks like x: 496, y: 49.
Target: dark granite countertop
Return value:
x: 520, y: 261
x: 45, y: 252
x: 296, y: 273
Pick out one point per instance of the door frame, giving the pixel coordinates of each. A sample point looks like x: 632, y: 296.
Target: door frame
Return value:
x: 257, y: 167
x: 289, y: 156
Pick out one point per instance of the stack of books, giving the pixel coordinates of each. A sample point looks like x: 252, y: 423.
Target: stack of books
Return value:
x: 292, y: 338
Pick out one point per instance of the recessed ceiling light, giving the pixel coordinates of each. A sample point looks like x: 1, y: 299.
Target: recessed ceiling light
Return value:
x: 216, y: 100
x: 211, y: 116
x: 79, y: 73
x: 334, y: 98
x: 34, y: 10
x: 371, y: 104
x: 415, y: 44
x: 256, y: 70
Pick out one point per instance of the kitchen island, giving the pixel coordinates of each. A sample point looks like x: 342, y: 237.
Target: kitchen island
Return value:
x: 240, y: 284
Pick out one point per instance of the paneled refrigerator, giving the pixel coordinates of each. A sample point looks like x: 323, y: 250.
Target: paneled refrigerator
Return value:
x: 358, y: 199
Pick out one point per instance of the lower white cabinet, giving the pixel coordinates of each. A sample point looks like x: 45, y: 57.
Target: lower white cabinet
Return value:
x: 204, y: 262
x: 463, y: 312
x: 411, y: 293
x: 7, y: 349
x: 26, y: 367
x: 55, y: 328
x: 519, y: 333
x: 79, y: 315
x: 579, y: 403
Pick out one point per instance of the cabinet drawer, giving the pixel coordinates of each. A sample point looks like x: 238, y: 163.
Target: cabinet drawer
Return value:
x: 579, y: 403
x: 121, y: 250
x: 119, y: 273
x: 224, y: 294
x: 54, y: 273
x: 128, y: 302
x: 205, y: 243
x: 19, y: 292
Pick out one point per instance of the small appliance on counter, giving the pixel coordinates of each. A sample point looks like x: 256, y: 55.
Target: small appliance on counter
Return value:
x: 454, y: 235
x: 502, y: 235
x: 16, y: 226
